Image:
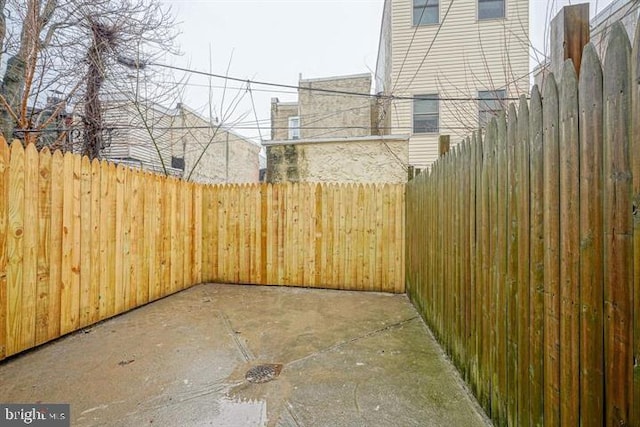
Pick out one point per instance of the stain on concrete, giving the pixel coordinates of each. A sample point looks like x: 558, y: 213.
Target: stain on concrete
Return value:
x: 347, y: 358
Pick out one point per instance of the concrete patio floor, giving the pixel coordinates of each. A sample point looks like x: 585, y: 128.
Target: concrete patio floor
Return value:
x: 349, y: 359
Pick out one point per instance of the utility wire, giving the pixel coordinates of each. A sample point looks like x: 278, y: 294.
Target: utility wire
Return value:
x: 424, y: 58
x: 255, y: 113
x: 321, y: 90
x: 227, y: 129
x: 413, y: 36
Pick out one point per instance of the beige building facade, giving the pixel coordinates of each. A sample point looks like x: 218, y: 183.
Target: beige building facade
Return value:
x: 363, y: 159
x: 214, y: 154
x: 330, y: 135
x: 178, y: 141
x: 447, y: 66
x: 326, y: 108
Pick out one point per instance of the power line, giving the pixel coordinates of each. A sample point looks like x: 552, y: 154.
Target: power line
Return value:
x: 413, y: 36
x: 424, y: 58
x: 226, y: 129
x: 256, y: 82
x: 255, y: 113
x: 321, y: 90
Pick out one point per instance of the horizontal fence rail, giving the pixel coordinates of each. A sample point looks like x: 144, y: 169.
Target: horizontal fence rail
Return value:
x: 83, y: 241
x: 523, y: 249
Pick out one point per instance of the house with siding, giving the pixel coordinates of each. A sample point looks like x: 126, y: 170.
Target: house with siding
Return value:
x: 445, y: 67
x: 177, y: 140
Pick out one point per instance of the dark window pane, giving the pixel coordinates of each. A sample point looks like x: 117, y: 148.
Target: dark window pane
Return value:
x: 425, y: 12
x: 490, y: 9
x: 177, y: 163
x: 424, y: 123
x: 425, y: 106
x: 425, y: 114
x: 490, y: 103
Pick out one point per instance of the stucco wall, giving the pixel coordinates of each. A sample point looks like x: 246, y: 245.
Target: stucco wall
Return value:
x: 331, y: 115
x: 224, y: 156
x: 356, y: 160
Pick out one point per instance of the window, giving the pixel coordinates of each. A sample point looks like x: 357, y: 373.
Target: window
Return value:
x: 490, y: 9
x: 490, y: 103
x: 294, y: 127
x: 177, y: 163
x: 425, y: 114
x: 425, y: 12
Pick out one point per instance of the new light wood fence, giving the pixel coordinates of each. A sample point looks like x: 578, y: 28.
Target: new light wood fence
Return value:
x: 524, y: 250
x: 83, y: 241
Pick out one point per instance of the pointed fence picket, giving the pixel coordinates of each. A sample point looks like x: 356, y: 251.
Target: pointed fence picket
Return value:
x: 545, y: 250
x: 83, y: 241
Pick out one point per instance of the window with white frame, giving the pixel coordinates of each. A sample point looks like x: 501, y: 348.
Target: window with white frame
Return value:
x: 490, y: 103
x: 294, y: 127
x: 426, y: 12
x: 491, y: 9
x: 425, y: 113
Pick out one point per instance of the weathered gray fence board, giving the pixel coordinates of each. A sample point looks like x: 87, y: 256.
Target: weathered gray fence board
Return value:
x: 536, y: 245
x: 523, y: 267
x: 569, y: 247
x: 635, y: 170
x: 512, y: 230
x: 501, y: 229
x: 551, y: 203
x: 591, y: 291
x: 531, y: 235
x: 618, y: 229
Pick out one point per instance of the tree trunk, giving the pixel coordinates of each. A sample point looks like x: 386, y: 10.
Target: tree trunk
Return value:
x: 12, y: 88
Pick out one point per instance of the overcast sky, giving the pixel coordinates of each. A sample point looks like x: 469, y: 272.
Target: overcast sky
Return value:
x: 276, y: 40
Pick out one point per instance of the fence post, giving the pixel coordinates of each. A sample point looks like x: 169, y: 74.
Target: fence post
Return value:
x: 569, y: 35
x: 443, y: 145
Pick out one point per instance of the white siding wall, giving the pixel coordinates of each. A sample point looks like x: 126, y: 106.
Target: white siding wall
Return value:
x: 130, y: 139
x: 383, y: 64
x: 467, y: 56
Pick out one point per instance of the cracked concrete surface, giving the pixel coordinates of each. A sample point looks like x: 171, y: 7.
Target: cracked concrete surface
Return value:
x: 349, y: 359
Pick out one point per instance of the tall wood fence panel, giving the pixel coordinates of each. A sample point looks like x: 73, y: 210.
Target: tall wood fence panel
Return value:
x: 523, y: 249
x: 83, y: 241
x: 334, y: 236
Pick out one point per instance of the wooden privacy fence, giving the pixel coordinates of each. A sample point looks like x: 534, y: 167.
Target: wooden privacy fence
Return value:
x: 524, y: 250
x: 82, y: 241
